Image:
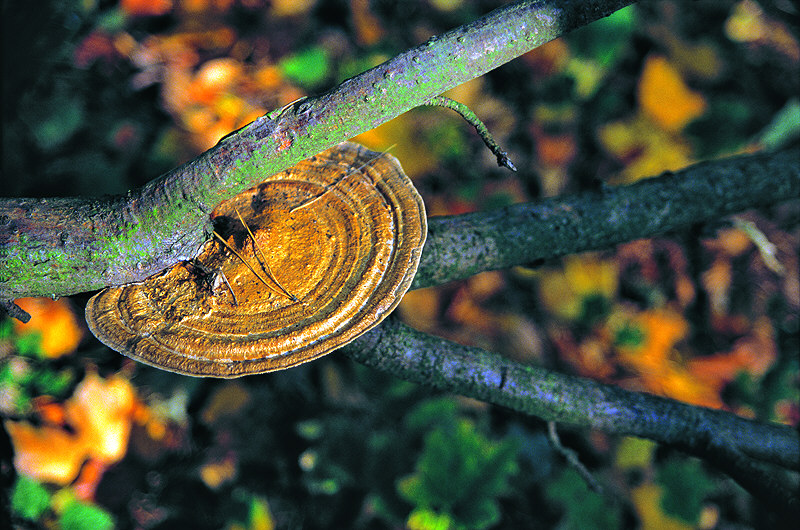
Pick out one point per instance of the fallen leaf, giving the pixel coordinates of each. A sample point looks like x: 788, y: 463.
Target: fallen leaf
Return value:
x: 647, y: 503
x: 99, y: 415
x: 55, y: 320
x: 754, y: 354
x: 664, y: 96
x: 145, y: 8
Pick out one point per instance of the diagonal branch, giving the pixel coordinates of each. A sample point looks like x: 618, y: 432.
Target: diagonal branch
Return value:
x: 463, y: 245
x: 67, y: 246
x: 414, y: 356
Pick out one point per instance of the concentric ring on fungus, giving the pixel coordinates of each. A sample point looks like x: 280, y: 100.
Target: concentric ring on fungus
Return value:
x: 341, y: 232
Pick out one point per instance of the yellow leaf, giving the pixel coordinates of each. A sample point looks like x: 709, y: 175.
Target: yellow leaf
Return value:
x: 287, y: 8
x: 102, y: 411
x: 635, y: 453
x: 215, y: 474
x: 421, y: 308
x: 647, y: 503
x: 645, y: 149
x: 746, y: 22
x: 563, y: 292
x: 588, y: 275
x: 260, y: 515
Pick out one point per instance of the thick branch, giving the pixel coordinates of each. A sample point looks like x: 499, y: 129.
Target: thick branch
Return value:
x: 421, y: 358
x: 461, y: 246
x: 66, y: 246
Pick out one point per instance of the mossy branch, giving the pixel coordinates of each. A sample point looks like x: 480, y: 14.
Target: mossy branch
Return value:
x: 66, y: 246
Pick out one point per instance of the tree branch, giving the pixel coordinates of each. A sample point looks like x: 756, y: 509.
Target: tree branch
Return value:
x: 415, y: 356
x: 460, y: 246
x: 67, y: 246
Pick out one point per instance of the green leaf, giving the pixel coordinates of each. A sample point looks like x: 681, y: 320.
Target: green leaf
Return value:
x: 629, y: 335
x: 784, y: 127
x: 307, y: 68
x: 260, y: 516
x: 6, y: 329
x: 81, y: 516
x: 461, y: 473
x: 686, y: 486
x: 29, y: 498
x: 635, y: 453
x: 431, y: 413
x: 56, y: 119
x: 429, y: 520
x: 604, y: 39
x: 583, y: 508
x: 594, y: 308
x: 53, y: 383
x: 29, y: 344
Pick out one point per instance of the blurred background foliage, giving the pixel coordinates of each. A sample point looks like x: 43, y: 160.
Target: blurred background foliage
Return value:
x: 101, y: 96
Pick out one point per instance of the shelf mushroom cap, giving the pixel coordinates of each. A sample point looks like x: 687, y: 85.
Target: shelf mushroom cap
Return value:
x: 312, y: 258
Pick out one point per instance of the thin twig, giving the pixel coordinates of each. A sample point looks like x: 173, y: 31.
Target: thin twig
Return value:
x: 572, y: 459
x: 252, y: 269
x: 473, y: 119
x: 264, y: 263
x: 225, y: 279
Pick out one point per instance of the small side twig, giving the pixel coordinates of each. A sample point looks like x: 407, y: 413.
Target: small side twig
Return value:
x: 14, y: 311
x: 572, y: 459
x: 472, y: 119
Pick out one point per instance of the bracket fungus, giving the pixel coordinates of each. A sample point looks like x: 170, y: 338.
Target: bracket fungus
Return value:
x: 300, y: 265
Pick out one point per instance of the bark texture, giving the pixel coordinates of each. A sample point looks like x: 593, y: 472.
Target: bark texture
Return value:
x: 126, y: 239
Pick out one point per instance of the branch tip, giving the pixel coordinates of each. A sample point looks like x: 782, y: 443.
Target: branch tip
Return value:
x: 471, y: 118
x: 15, y: 311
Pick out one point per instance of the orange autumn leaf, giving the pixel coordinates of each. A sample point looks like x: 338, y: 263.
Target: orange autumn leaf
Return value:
x: 288, y: 8
x: 214, y: 78
x: 47, y: 453
x: 753, y: 354
x: 102, y: 410
x: 675, y: 381
x: 717, y: 283
x: 215, y: 474
x: 662, y: 329
x: 664, y: 96
x: 420, y: 308
x: 144, y: 8
x: 99, y: 414
x: 556, y: 150
x: 589, y: 358
x: 55, y: 320
x: 88, y: 479
x: 549, y: 58
x: 658, y: 369
x: 368, y: 27
x: 730, y: 241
